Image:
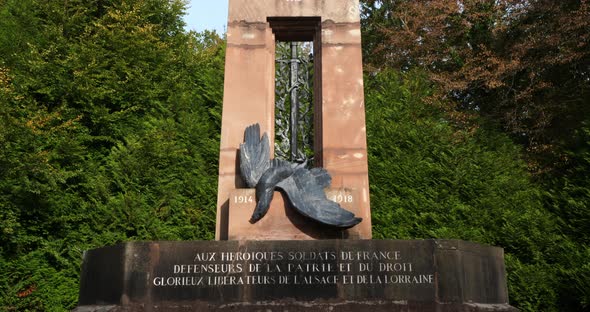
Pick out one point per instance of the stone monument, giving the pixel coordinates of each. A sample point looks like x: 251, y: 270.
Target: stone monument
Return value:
x: 333, y: 27
x: 293, y: 215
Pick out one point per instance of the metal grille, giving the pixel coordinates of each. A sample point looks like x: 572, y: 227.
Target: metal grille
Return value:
x: 294, y: 101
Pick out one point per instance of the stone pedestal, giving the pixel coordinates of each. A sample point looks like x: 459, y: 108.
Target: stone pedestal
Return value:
x: 322, y: 275
x: 249, y: 95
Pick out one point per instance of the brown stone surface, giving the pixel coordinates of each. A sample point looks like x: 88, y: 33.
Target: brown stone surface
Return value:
x: 249, y: 98
x: 249, y: 71
x: 252, y: 11
x: 291, y: 306
x: 322, y: 275
x: 282, y: 222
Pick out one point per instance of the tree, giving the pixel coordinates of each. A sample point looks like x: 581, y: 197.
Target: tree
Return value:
x: 524, y: 64
x: 433, y: 179
x: 109, y: 129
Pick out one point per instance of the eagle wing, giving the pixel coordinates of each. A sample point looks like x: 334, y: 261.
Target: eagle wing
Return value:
x: 254, y: 155
x: 305, y: 190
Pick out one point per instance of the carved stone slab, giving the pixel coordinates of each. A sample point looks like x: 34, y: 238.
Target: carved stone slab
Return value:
x: 282, y: 222
x: 324, y: 275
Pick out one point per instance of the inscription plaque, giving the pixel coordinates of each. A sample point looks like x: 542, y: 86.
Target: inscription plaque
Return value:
x: 308, y: 274
x: 420, y: 272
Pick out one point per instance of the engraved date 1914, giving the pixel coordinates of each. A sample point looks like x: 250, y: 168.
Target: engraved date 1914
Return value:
x: 243, y: 199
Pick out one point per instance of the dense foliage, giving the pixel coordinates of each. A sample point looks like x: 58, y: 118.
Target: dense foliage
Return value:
x: 478, y: 129
x: 516, y: 66
x: 109, y: 132
x: 524, y: 64
x: 432, y: 179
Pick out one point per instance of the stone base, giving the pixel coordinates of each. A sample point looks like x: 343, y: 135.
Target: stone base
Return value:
x: 322, y: 275
x: 277, y: 306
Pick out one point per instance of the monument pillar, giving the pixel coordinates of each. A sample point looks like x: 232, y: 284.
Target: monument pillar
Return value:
x: 340, y: 134
x: 285, y: 261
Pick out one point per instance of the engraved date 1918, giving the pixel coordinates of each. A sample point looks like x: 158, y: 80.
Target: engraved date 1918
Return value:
x: 341, y: 198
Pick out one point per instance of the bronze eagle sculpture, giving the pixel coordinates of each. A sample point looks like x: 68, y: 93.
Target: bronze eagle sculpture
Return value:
x: 303, y: 187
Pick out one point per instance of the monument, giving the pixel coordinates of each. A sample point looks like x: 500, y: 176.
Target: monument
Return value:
x: 293, y: 215
x: 333, y: 29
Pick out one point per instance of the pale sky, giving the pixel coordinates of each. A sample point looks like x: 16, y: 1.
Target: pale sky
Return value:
x: 206, y: 14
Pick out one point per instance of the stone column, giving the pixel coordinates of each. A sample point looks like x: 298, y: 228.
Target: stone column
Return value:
x: 249, y: 98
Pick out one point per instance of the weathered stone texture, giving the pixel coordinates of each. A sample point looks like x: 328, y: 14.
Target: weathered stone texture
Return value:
x: 458, y: 276
x: 249, y: 98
